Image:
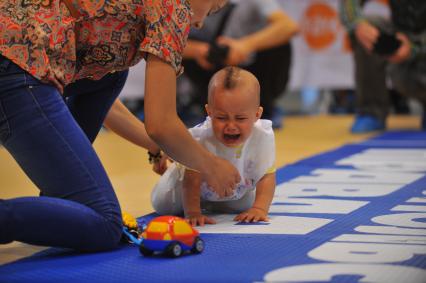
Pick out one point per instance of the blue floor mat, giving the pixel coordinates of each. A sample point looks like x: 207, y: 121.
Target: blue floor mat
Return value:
x: 354, y: 214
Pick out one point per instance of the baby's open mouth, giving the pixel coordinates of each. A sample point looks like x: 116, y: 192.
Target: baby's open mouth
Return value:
x: 231, y: 137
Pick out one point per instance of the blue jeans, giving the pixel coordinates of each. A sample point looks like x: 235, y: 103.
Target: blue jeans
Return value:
x: 89, y: 101
x: 79, y: 208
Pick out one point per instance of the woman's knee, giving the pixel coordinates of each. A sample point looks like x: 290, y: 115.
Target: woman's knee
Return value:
x: 106, y: 236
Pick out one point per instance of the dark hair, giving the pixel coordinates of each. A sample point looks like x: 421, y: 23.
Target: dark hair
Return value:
x: 231, y: 75
x: 229, y: 78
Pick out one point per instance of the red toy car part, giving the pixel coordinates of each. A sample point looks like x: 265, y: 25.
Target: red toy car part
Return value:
x: 171, y: 235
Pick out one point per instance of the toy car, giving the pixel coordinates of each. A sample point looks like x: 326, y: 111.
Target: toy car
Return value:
x: 171, y: 235
x: 131, y: 229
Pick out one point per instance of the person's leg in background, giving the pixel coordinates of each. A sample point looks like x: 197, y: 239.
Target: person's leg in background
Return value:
x: 399, y: 103
x: 409, y: 78
x: 371, y: 91
x: 89, y: 101
x: 272, y: 68
x: 372, y: 97
x: 193, y: 112
x: 343, y: 101
x: 79, y: 208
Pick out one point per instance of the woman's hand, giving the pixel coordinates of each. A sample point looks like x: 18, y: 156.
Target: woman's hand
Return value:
x: 254, y: 214
x: 238, y: 50
x: 160, y: 166
x: 221, y: 176
x: 403, y: 52
x: 198, y: 51
x: 367, y: 35
x: 201, y: 56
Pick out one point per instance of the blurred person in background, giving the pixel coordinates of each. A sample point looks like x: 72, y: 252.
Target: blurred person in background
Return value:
x: 392, y: 48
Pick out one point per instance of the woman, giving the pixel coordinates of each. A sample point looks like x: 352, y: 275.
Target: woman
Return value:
x: 82, y: 49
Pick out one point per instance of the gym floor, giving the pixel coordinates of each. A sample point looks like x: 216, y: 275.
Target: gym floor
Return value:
x: 128, y: 168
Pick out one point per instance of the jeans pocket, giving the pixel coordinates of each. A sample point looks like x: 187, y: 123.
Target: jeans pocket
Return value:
x: 4, y: 126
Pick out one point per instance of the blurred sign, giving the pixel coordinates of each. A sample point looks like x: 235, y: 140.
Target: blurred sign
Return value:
x: 321, y: 52
x: 321, y: 57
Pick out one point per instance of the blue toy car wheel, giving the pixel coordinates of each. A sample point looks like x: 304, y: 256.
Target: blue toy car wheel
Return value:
x: 144, y: 250
x: 174, y: 250
x: 198, y: 246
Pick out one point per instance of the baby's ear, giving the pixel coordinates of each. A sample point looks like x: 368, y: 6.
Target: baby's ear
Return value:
x: 259, y: 112
x: 206, y: 106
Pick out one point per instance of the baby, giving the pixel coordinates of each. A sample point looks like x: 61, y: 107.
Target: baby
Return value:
x: 234, y: 131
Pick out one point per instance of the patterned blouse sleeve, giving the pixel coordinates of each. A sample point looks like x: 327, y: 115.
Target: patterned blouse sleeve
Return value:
x: 167, y: 25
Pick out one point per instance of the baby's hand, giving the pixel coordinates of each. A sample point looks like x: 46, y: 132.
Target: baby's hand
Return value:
x: 197, y: 218
x: 253, y: 214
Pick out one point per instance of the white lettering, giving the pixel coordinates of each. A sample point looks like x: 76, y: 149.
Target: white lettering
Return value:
x: 402, y: 220
x: 292, y: 189
x: 387, y: 166
x: 390, y: 230
x: 388, y: 160
x: 366, y: 252
x: 401, y: 238
x: 386, y: 239
x: 415, y: 208
x: 306, y: 205
x: 324, y: 272
x: 420, y: 200
x: 357, y: 177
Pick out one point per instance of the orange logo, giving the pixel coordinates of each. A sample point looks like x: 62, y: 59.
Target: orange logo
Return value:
x: 320, y: 25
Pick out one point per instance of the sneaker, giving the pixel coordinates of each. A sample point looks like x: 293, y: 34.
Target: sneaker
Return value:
x: 367, y: 123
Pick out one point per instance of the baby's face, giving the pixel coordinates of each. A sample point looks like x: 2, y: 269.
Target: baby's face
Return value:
x: 233, y: 114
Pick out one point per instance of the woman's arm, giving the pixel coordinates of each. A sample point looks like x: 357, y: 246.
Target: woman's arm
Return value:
x: 198, y: 51
x: 122, y: 122
x: 350, y: 12
x: 280, y: 29
x: 167, y: 130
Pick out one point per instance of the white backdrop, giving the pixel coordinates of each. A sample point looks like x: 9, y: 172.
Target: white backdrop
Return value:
x: 321, y: 52
x: 321, y: 57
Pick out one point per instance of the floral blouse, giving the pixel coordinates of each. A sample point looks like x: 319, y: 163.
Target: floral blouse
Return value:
x: 66, y: 40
